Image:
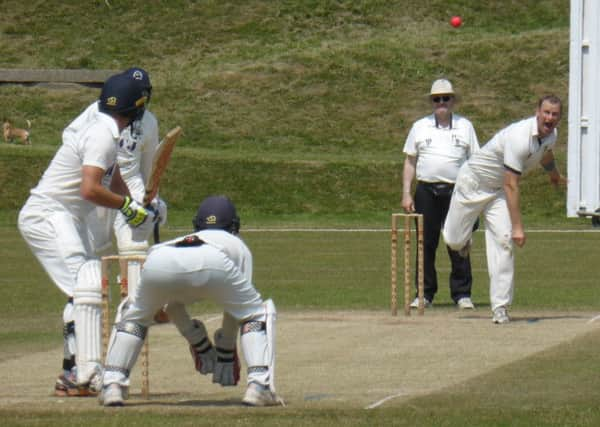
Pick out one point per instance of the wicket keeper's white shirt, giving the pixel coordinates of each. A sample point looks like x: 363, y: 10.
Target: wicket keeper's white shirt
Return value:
x: 232, y: 246
x: 95, y: 144
x: 137, y: 146
x: 517, y: 147
x: 440, y: 152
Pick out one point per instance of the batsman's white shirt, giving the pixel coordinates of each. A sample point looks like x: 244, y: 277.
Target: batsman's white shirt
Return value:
x: 137, y: 146
x: 440, y: 151
x: 52, y: 221
x: 136, y: 149
x: 219, y: 270
x: 479, y: 190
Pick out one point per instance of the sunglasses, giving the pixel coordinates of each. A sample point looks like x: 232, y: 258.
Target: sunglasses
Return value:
x: 444, y: 98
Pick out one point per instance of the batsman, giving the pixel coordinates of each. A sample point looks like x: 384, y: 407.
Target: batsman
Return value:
x: 138, y: 146
x: 215, y: 264
x: 82, y: 175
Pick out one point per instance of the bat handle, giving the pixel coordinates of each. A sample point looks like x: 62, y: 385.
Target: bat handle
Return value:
x: 156, y: 233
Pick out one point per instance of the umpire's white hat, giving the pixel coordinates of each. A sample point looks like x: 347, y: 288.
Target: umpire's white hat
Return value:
x: 441, y: 87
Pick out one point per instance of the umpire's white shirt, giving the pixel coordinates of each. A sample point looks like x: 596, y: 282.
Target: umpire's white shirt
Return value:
x: 440, y: 151
x: 516, y: 147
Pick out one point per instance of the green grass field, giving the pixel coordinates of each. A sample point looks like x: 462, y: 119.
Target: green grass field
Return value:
x: 298, y: 110
x: 327, y: 271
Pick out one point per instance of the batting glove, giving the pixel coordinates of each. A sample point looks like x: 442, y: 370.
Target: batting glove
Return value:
x: 134, y: 212
x: 160, y: 207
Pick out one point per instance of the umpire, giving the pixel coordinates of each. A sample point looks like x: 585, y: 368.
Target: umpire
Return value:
x: 436, y: 146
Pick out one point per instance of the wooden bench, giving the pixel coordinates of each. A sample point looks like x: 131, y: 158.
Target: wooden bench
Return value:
x: 85, y: 77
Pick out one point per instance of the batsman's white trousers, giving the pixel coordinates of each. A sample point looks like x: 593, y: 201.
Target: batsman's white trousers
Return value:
x: 186, y: 275
x: 470, y: 200
x: 57, y: 239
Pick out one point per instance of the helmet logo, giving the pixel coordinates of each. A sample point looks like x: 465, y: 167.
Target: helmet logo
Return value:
x: 111, y: 101
x: 137, y: 74
x: 211, y: 219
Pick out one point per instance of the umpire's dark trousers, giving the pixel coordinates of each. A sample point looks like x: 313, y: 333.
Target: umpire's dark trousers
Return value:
x: 433, y: 200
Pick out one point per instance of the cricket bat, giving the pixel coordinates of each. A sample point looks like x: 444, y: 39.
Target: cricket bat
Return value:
x: 160, y: 162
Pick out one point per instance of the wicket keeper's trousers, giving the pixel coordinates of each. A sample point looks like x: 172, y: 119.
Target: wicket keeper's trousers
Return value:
x: 433, y: 200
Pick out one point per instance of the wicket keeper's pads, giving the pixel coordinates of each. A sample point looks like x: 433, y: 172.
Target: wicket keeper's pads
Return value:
x: 123, y: 352
x: 87, y: 314
x: 121, y: 309
x: 227, y: 368
x: 258, y: 345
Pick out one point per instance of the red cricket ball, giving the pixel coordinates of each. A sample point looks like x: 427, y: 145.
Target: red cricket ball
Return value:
x: 456, y: 21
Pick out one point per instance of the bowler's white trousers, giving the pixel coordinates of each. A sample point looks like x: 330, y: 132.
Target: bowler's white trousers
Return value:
x: 471, y: 199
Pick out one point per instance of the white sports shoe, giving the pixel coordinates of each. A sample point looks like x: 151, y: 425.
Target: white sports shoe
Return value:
x: 500, y: 316
x: 259, y: 395
x: 113, y: 395
x: 465, y: 303
x: 426, y: 303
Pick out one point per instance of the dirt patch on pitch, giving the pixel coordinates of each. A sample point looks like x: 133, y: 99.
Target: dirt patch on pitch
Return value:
x: 351, y: 359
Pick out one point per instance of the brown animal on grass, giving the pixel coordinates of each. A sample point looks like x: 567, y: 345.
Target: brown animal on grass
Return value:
x: 13, y: 134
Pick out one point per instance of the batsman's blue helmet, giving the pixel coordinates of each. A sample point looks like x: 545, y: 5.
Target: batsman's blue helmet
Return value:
x: 217, y: 212
x: 140, y: 76
x: 123, y: 96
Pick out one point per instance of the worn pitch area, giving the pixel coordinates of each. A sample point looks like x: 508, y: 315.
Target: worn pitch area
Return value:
x: 343, y: 359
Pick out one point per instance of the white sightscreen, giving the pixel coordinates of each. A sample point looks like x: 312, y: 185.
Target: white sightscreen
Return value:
x: 583, y: 190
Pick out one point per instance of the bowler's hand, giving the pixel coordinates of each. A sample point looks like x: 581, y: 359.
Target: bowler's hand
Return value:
x: 518, y: 236
x: 558, y: 180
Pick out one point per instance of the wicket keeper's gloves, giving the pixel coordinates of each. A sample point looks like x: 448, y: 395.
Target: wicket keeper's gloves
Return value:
x: 134, y: 212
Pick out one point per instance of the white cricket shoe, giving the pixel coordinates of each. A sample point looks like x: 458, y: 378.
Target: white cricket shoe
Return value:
x: 259, y: 395
x: 500, y: 316
x: 113, y: 395
x: 465, y: 303
x: 415, y: 303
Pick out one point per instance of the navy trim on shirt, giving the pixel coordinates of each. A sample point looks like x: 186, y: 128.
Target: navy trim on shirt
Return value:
x: 512, y: 170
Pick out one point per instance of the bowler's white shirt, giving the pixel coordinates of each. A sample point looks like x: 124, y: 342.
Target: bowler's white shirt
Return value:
x: 517, y: 147
x: 94, y: 144
x: 440, y: 151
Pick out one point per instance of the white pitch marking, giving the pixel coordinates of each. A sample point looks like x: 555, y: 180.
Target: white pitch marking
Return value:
x: 593, y: 319
x: 385, y: 399
x: 212, y: 319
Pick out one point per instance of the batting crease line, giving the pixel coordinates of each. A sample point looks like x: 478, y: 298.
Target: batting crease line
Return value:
x: 385, y: 399
x: 593, y: 319
x: 212, y: 319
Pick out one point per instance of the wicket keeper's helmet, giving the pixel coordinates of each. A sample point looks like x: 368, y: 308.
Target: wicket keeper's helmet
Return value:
x: 122, y: 96
x: 217, y: 212
x: 139, y: 75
